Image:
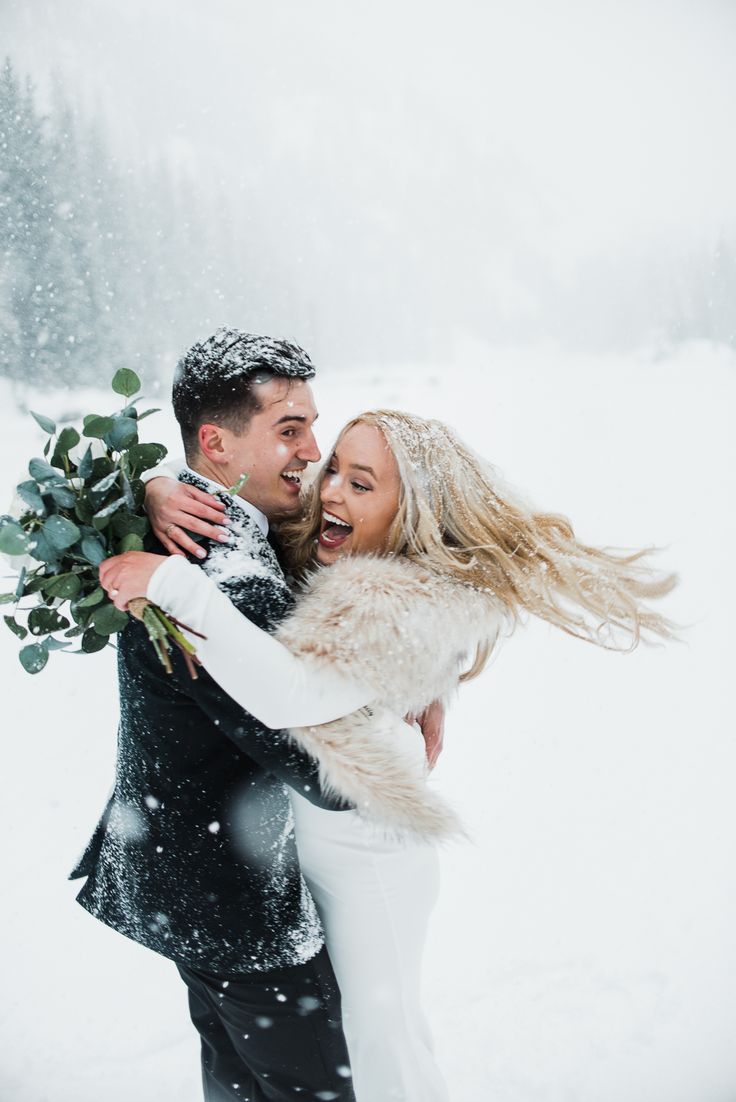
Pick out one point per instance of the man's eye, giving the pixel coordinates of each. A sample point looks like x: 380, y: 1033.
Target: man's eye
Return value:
x: 288, y: 432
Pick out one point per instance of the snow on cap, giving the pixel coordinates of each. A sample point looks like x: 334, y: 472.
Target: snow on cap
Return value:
x: 232, y: 353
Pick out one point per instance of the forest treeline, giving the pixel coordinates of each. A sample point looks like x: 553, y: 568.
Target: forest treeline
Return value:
x: 103, y: 266
x: 106, y: 263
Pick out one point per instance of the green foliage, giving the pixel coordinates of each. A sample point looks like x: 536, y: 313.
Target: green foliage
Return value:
x: 83, y: 506
x: 126, y: 382
x: 34, y: 657
x: 17, y: 629
x: 13, y: 539
x: 45, y: 422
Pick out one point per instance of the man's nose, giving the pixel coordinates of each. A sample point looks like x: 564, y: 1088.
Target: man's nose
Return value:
x: 308, y: 449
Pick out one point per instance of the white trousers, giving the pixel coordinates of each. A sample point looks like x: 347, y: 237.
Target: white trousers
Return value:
x: 374, y: 897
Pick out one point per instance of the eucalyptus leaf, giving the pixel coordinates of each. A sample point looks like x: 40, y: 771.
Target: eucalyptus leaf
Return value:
x: 93, y: 550
x: 13, y: 540
x: 33, y: 658
x: 34, y: 585
x: 110, y: 509
x: 41, y: 548
x: 43, y: 471
x: 42, y: 620
x: 105, y: 483
x: 67, y: 439
x: 123, y: 433
x: 131, y: 542
x: 28, y: 491
x: 83, y: 511
x: 142, y: 457
x: 17, y: 629
x: 92, y: 641
x: 97, y: 427
x: 7, y: 598
x: 126, y: 382
x: 21, y: 584
x: 45, y: 422
x: 124, y: 523
x: 62, y: 586
x: 107, y: 619
x: 60, y: 532
x: 128, y: 494
x: 84, y: 468
x: 100, y: 467
x: 54, y: 644
x: 63, y: 496
x: 92, y: 598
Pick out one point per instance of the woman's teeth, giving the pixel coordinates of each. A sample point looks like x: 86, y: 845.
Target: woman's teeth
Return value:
x: 330, y: 519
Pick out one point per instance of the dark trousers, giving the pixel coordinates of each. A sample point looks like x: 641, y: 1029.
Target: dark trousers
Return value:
x: 271, y: 1035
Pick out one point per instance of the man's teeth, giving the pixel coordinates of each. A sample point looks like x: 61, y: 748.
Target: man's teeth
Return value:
x: 292, y: 477
x: 335, y: 520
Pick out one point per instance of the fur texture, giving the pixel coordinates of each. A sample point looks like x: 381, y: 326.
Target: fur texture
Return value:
x: 406, y: 632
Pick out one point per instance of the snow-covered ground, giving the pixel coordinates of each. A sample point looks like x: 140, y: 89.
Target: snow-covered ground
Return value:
x: 583, y: 949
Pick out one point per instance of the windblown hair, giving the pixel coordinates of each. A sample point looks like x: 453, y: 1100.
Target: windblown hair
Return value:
x: 457, y: 518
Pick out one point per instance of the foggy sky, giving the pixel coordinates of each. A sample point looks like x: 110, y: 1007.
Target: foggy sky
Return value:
x: 435, y: 147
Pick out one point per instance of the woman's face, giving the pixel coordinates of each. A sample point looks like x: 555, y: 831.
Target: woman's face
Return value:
x: 359, y: 495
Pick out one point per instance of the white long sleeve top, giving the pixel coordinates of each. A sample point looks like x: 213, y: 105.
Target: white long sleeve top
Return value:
x: 256, y: 670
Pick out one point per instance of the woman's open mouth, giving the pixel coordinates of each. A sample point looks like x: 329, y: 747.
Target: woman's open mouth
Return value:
x: 334, y: 531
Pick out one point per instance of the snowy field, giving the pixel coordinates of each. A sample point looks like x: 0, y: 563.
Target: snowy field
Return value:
x: 583, y: 949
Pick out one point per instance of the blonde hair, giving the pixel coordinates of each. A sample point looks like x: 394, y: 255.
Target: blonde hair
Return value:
x: 457, y: 518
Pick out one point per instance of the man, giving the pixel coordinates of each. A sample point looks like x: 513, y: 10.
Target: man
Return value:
x: 195, y: 856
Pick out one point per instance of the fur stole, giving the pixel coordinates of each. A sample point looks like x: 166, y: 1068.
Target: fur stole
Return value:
x: 406, y: 632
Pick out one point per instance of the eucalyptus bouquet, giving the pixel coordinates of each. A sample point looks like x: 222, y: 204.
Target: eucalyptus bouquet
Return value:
x: 80, y: 506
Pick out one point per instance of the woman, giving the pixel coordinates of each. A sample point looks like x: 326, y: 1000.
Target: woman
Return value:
x: 429, y: 558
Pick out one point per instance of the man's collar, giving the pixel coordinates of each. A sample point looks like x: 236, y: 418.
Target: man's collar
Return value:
x: 247, y: 507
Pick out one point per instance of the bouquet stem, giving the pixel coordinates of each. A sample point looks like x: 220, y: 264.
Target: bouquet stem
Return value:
x: 164, y: 630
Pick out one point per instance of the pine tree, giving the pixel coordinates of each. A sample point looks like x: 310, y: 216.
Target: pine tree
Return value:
x: 29, y: 293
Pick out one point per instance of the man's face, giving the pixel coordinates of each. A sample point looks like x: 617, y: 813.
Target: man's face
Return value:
x: 275, y: 447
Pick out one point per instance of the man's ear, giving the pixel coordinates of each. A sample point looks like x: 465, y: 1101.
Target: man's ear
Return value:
x: 213, y: 444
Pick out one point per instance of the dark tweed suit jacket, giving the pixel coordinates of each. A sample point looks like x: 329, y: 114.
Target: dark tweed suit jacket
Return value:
x: 194, y: 856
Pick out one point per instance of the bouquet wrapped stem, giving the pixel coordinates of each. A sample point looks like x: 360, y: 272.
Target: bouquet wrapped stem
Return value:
x: 162, y: 630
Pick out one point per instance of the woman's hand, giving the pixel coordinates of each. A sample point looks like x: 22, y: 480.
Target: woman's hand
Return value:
x: 173, y: 506
x: 126, y: 576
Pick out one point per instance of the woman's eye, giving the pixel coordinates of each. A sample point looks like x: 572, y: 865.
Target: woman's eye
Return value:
x: 360, y: 488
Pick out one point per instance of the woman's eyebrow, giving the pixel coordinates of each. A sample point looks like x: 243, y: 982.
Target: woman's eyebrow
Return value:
x: 360, y: 467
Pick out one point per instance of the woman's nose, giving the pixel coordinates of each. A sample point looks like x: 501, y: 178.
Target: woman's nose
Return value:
x: 331, y: 489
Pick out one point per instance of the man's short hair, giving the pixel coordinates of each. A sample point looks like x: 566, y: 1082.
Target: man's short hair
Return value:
x: 216, y: 380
